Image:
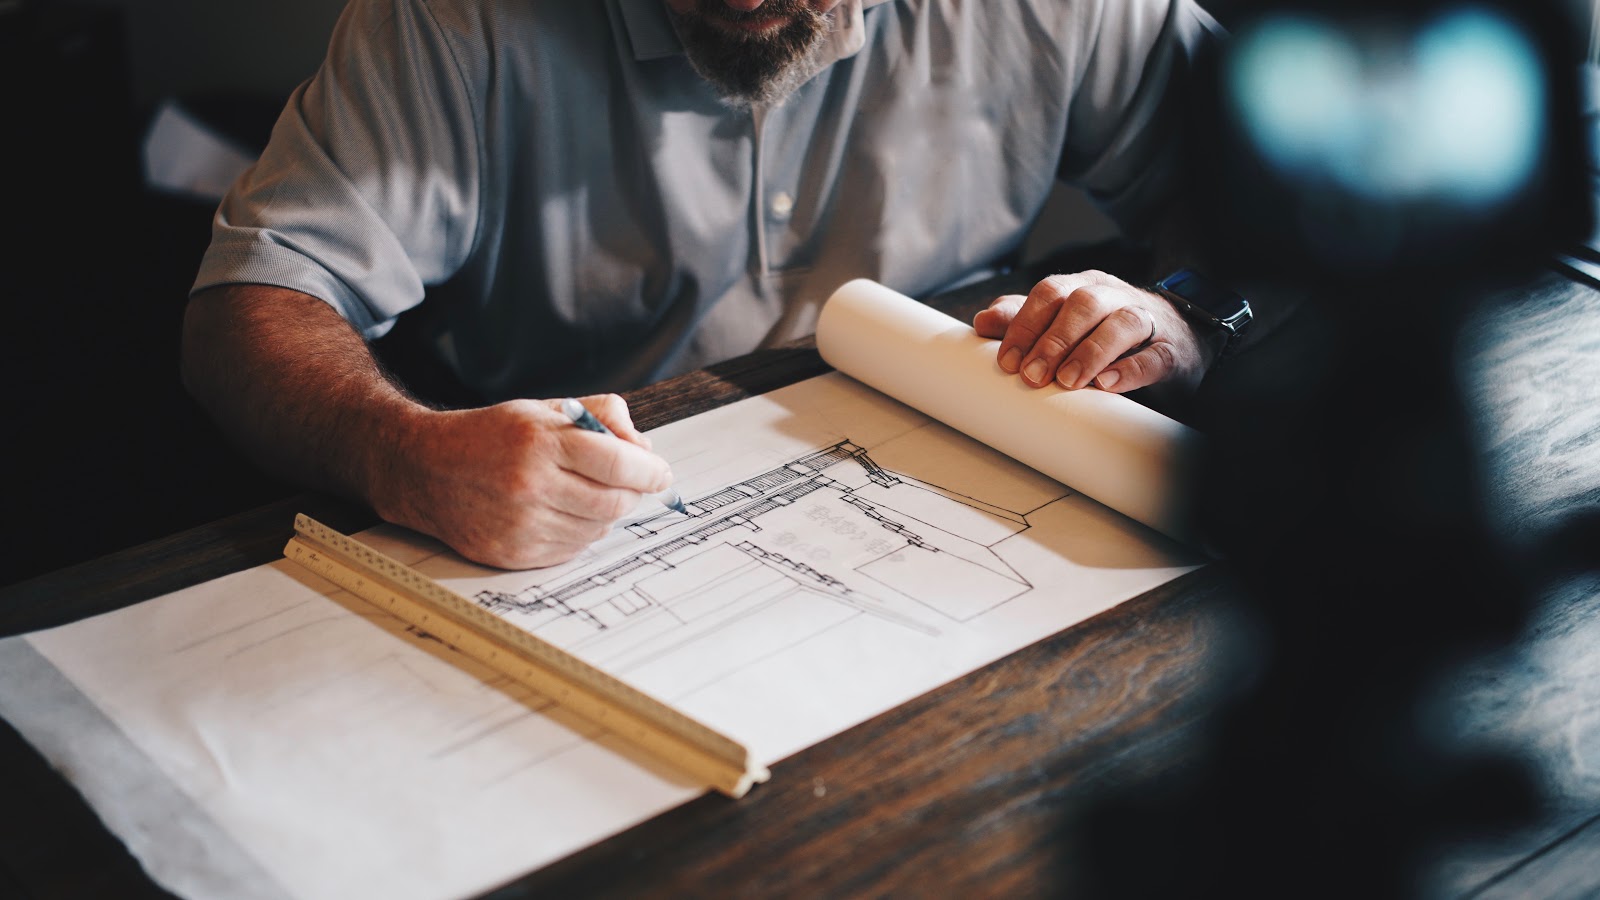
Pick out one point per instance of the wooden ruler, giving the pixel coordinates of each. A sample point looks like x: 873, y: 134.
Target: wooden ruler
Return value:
x: 666, y: 734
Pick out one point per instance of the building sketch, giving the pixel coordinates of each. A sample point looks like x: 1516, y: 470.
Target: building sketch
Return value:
x: 824, y: 537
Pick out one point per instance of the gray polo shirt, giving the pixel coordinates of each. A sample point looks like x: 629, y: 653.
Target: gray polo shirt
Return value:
x: 581, y: 213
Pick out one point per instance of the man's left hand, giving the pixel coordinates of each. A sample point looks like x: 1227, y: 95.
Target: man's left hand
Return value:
x: 1094, y: 328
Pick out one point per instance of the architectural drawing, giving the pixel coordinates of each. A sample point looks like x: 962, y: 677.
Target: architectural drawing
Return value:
x: 307, y: 739
x: 824, y: 537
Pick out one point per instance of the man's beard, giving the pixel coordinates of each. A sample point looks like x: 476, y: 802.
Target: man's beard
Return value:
x: 753, y: 69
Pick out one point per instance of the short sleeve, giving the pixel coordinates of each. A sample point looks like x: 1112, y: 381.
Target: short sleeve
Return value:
x: 1124, y: 130
x: 368, y: 189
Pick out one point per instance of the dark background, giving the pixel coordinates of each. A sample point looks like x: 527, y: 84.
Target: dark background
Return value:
x: 104, y: 449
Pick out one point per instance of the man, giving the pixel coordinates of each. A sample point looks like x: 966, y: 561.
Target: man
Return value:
x: 594, y: 195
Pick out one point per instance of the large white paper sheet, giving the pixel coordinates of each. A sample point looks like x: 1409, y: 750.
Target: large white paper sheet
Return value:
x: 845, y: 554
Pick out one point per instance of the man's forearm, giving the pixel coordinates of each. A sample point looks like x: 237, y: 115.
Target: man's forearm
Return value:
x: 294, y: 386
x: 513, y: 484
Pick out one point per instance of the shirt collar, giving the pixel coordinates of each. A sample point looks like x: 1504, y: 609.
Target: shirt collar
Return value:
x: 652, y: 36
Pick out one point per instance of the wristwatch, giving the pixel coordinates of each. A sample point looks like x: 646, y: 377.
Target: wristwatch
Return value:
x: 1212, y: 307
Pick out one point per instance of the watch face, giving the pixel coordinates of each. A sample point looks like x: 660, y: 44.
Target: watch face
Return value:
x: 1207, y: 297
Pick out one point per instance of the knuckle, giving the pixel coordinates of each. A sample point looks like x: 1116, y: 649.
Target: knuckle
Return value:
x: 1163, y: 357
x: 520, y: 488
x: 613, y: 404
x: 1086, y: 299
x: 1052, y: 346
x: 527, y: 433
x: 1130, y: 317
x: 1020, y: 335
x: 1047, y: 295
x: 524, y: 483
x: 517, y: 405
x: 1095, y: 347
x: 1058, y: 285
x: 521, y: 413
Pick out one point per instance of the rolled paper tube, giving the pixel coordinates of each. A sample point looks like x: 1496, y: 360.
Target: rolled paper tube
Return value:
x: 1109, y: 448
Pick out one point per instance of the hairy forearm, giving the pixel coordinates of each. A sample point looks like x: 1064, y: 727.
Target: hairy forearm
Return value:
x: 294, y: 386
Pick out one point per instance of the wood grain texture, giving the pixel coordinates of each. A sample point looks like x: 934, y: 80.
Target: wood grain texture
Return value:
x: 964, y: 791
x: 1530, y: 369
x: 1530, y: 364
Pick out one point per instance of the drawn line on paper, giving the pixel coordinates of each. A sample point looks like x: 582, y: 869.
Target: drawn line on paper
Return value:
x: 831, y: 524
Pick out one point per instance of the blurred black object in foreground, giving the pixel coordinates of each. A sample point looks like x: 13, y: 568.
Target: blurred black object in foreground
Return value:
x: 1390, y: 165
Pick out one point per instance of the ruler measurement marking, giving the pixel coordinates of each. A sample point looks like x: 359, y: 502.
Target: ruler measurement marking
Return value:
x: 576, y: 685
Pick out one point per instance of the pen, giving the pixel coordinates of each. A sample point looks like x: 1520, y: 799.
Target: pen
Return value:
x: 581, y: 417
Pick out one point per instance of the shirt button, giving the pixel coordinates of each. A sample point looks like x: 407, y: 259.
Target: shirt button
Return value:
x: 782, y: 206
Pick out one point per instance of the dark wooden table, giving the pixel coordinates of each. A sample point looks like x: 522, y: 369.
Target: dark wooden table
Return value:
x: 971, y: 789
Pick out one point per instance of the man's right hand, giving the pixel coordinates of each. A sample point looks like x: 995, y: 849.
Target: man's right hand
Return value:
x: 514, y: 485
x: 517, y: 485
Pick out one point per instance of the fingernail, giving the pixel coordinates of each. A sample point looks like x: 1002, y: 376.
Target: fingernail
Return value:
x: 1035, y: 371
x: 1068, y: 376
x: 1108, y: 379
x: 1010, y: 359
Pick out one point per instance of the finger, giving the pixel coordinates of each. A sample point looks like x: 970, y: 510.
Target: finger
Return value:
x: 1142, y: 369
x: 1031, y: 319
x: 1122, y: 331
x: 1039, y: 311
x: 569, y: 509
x: 613, y: 411
x: 587, y: 514
x: 1078, y: 316
x: 992, y: 322
x: 613, y: 463
x: 590, y: 501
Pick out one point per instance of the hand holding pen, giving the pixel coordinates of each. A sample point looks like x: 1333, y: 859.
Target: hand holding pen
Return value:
x: 581, y: 417
x: 514, y: 484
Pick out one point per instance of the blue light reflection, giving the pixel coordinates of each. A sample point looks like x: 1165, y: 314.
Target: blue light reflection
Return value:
x: 1453, y: 111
